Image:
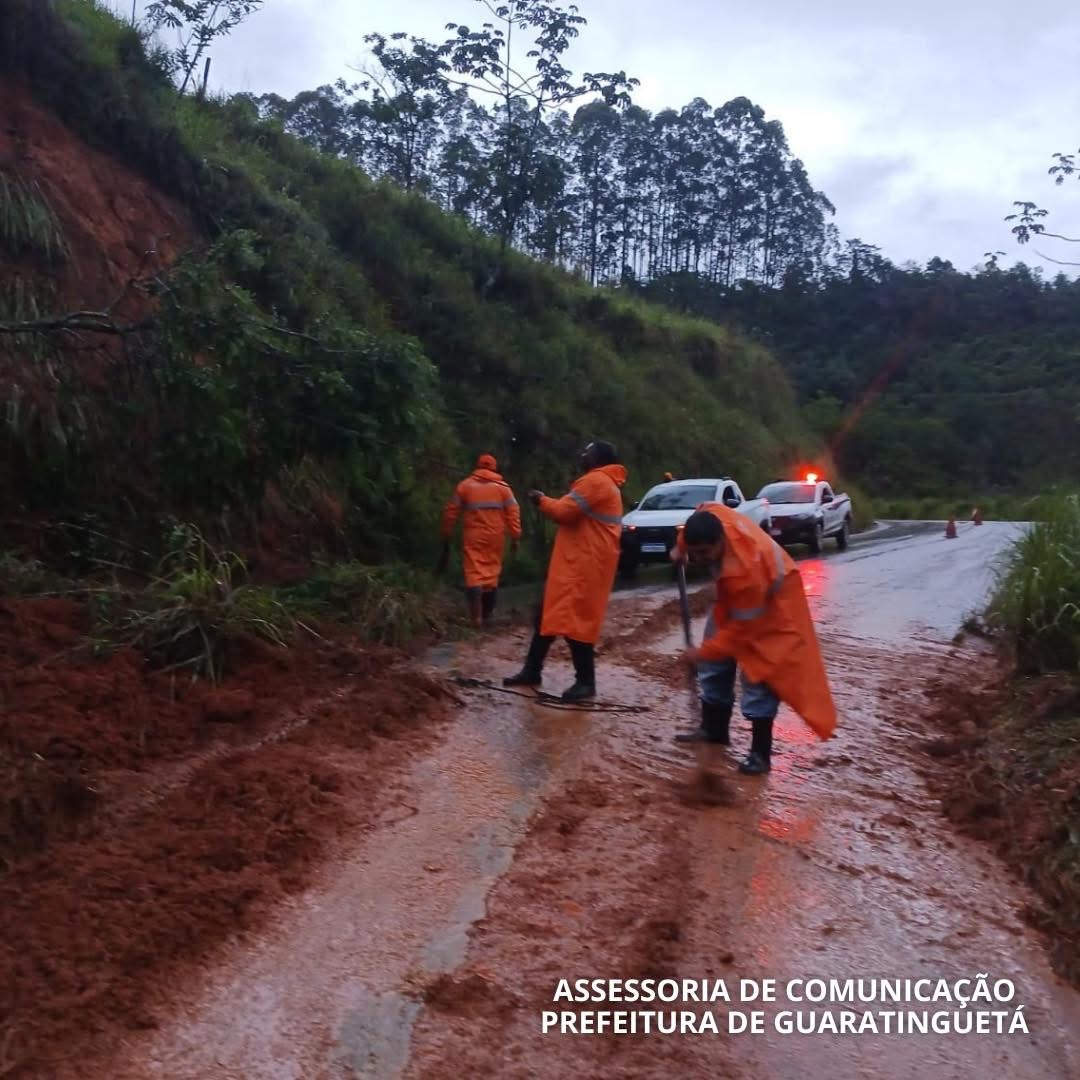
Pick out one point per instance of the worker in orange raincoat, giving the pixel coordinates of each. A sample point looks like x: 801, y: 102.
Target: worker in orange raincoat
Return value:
x: 490, y: 511
x: 582, y: 569
x: 761, y: 623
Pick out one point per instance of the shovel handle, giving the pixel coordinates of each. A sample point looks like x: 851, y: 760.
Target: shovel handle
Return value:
x: 684, y: 603
x: 684, y: 606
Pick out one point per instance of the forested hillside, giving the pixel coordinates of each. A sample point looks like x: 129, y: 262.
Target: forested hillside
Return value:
x: 204, y: 318
x: 303, y: 318
x: 924, y: 382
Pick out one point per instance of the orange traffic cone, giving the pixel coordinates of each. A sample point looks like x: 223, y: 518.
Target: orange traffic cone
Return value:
x: 976, y: 516
x: 950, y: 529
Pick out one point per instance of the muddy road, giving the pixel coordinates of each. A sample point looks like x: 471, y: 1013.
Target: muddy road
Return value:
x: 523, y: 845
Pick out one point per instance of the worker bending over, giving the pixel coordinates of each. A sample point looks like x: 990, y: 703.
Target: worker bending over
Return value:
x: 489, y: 511
x: 760, y: 623
x: 582, y: 569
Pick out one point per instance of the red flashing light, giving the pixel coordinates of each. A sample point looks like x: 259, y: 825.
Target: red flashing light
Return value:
x: 811, y: 477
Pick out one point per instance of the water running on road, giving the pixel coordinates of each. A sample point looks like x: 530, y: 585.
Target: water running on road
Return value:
x: 560, y: 833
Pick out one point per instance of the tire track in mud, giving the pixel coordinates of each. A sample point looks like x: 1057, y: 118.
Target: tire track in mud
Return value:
x: 171, y: 777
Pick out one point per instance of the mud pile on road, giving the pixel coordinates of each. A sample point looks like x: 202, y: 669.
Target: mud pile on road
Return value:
x: 559, y: 915
x: 1007, y: 769
x: 146, y: 819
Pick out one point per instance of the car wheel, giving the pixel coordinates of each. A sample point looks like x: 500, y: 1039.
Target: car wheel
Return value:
x: 627, y: 567
x: 842, y: 538
x: 815, y: 540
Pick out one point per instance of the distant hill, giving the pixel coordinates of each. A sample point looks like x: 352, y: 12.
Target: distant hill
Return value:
x: 924, y: 382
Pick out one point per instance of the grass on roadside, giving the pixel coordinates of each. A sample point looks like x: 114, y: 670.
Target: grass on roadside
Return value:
x: 1037, y: 601
x: 391, y: 604
x: 196, y: 608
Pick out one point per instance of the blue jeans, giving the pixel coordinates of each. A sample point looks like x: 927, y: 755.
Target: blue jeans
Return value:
x: 716, y: 678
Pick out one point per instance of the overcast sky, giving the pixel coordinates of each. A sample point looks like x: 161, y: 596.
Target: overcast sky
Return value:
x: 922, y: 121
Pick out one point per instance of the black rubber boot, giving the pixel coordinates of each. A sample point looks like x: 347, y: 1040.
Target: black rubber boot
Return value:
x: 531, y: 673
x: 584, y: 657
x: 759, y: 761
x: 487, y: 604
x: 474, y: 602
x: 715, y: 726
x: 580, y: 691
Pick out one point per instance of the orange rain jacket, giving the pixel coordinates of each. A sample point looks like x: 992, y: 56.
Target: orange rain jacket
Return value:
x: 586, y: 554
x: 762, y: 620
x: 490, y: 511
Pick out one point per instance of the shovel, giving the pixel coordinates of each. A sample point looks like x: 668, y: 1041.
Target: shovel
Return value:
x: 684, y: 608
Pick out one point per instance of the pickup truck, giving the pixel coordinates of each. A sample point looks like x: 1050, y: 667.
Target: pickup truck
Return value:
x: 649, y: 529
x: 807, y: 512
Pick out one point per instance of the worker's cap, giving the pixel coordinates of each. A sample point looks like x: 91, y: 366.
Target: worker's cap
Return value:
x: 486, y: 461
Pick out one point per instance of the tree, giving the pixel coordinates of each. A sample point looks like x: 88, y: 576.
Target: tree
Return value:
x: 1029, y: 217
x: 596, y: 131
x: 489, y: 62
x: 405, y: 103
x: 319, y: 117
x: 198, y: 24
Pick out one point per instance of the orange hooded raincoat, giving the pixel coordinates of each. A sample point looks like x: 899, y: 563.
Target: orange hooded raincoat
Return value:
x: 762, y: 621
x: 586, y: 554
x: 490, y: 511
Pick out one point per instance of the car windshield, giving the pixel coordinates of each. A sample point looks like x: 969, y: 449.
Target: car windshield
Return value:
x: 680, y: 498
x: 788, y: 493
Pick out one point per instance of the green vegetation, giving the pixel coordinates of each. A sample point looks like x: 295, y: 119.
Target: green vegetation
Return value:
x: 492, y: 125
x: 27, y: 224
x: 1037, y: 602
x: 1016, y: 753
x: 195, y: 609
x: 336, y: 328
x: 392, y: 604
x: 925, y: 383
x: 993, y: 508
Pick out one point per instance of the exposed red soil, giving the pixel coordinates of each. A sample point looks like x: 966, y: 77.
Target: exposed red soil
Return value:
x: 146, y: 820
x: 1008, y: 773
x: 110, y: 217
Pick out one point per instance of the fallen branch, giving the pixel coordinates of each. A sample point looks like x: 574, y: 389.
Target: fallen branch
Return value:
x: 95, y: 322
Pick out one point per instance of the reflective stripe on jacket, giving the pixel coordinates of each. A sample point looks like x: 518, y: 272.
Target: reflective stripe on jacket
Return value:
x: 761, y: 620
x: 489, y: 510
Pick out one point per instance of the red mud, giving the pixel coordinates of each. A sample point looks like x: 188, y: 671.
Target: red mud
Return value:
x: 1008, y: 773
x: 139, y: 830
x: 558, y: 916
x: 616, y: 879
x: 837, y: 863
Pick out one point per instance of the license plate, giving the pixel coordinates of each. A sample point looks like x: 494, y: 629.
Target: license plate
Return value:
x: 653, y: 549
x: 776, y: 532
